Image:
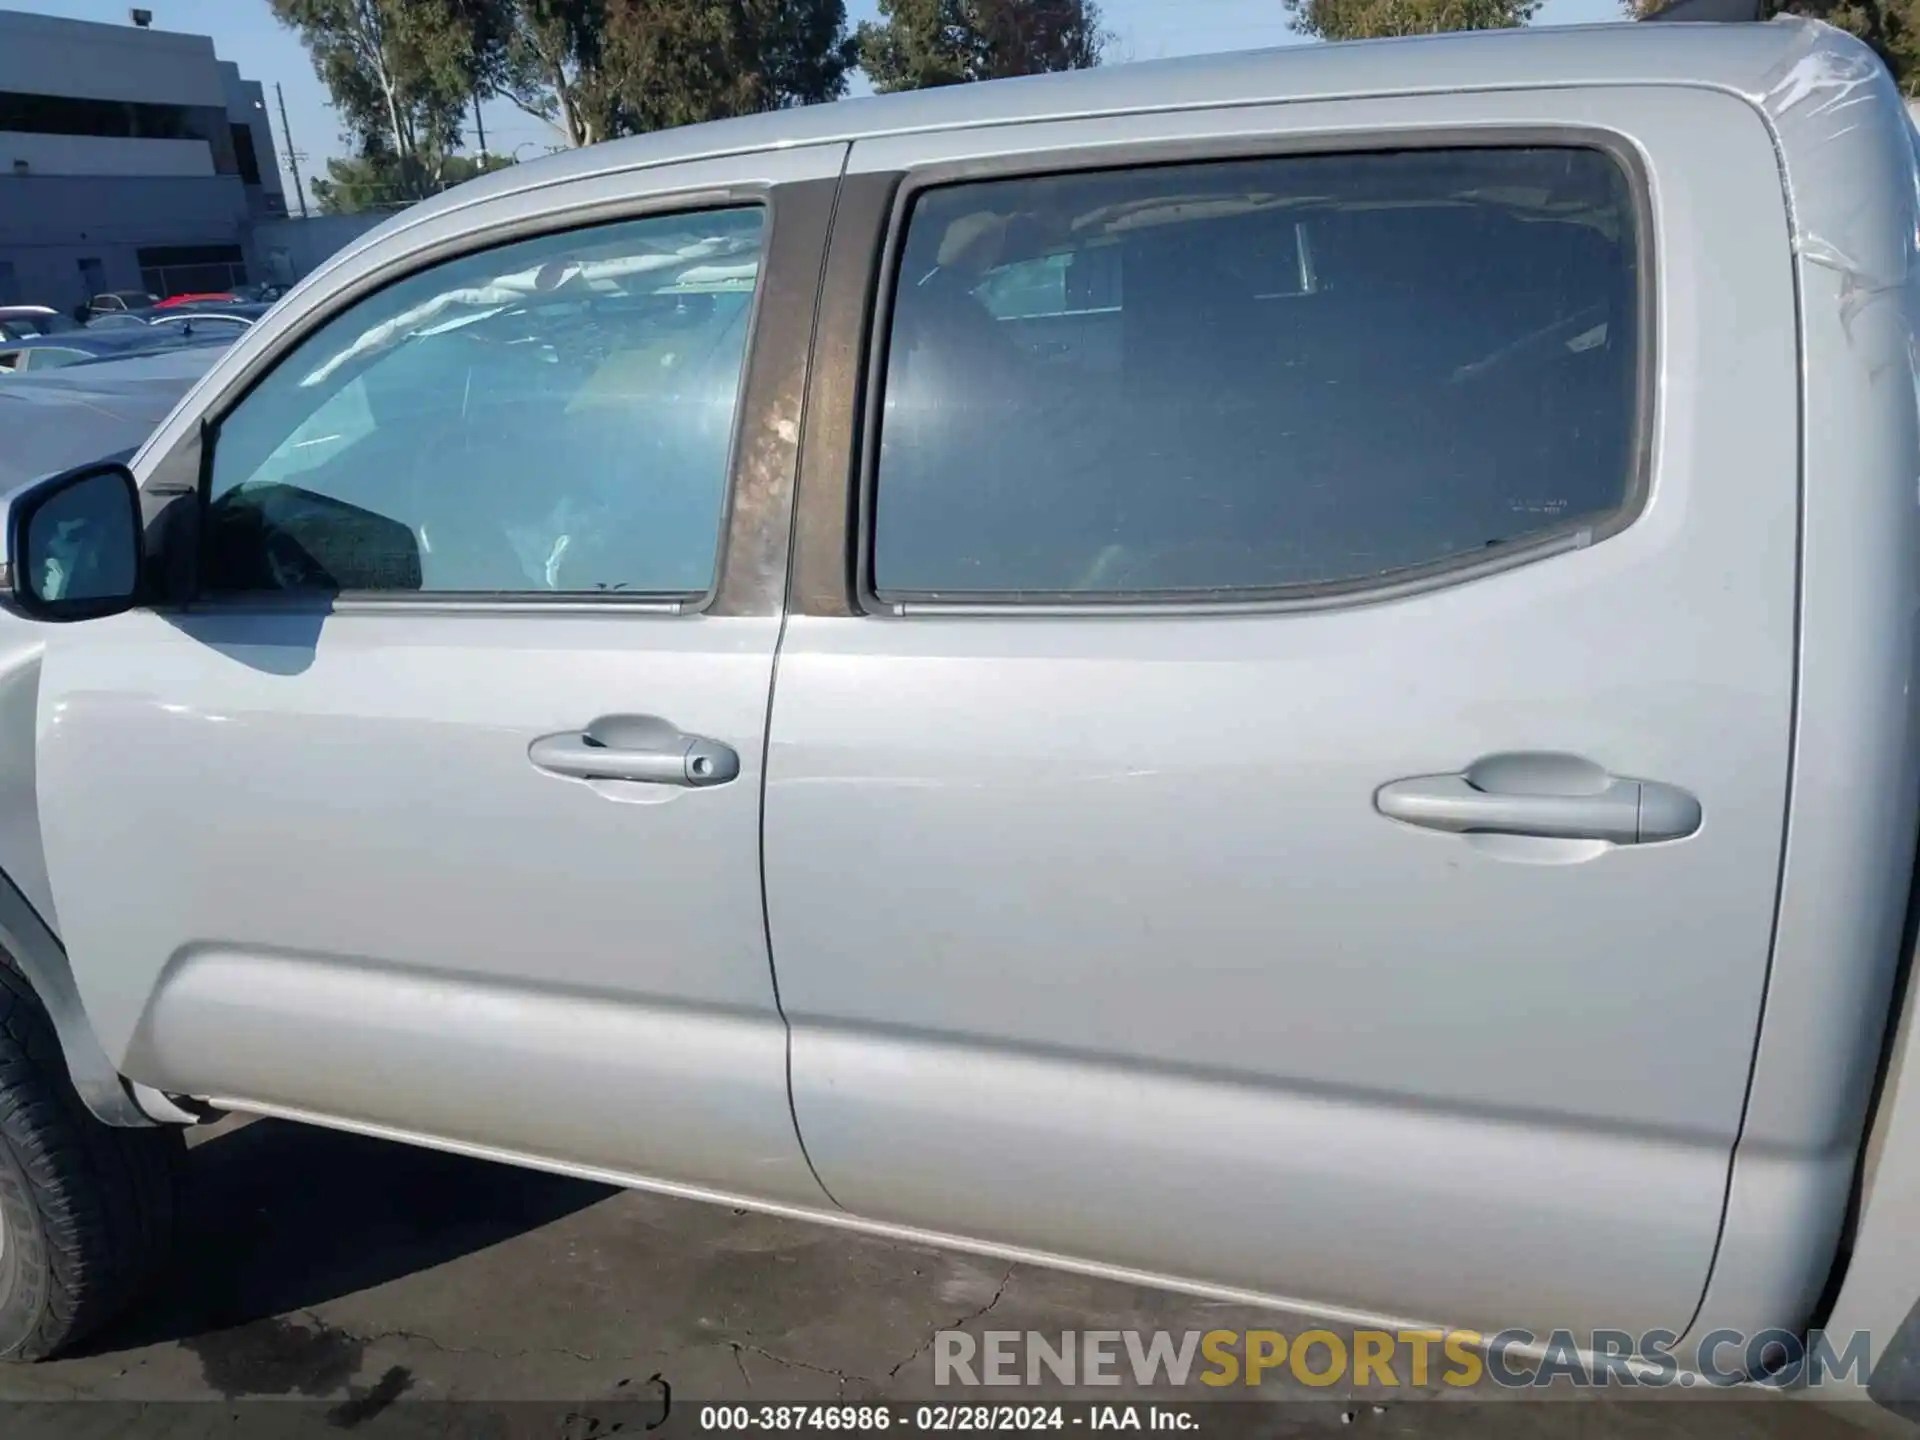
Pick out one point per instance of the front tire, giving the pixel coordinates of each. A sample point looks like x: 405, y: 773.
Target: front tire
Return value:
x: 86, y: 1209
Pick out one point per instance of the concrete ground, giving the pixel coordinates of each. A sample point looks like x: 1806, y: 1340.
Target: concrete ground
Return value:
x: 330, y: 1282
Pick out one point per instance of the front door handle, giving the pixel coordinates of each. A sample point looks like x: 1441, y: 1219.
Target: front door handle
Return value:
x: 640, y: 748
x: 1555, y: 797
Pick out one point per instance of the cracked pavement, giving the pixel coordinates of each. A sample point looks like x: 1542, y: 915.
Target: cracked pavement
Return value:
x: 364, y: 1277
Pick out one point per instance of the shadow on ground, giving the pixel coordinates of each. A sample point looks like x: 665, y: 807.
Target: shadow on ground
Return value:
x: 278, y: 1217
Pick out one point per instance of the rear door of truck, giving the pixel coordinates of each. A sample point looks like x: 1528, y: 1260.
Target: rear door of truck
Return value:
x: 1279, y: 754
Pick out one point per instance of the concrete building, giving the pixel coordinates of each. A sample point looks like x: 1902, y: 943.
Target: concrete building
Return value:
x: 130, y: 158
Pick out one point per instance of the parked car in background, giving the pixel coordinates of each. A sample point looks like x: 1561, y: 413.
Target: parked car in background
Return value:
x: 52, y: 420
x: 230, y: 307
x: 199, y: 324
x: 192, y: 298
x: 266, y: 291
x: 50, y: 352
x: 1327, y: 713
x: 109, y: 301
x: 251, y: 309
x: 20, y: 322
x: 207, y: 318
x: 117, y: 319
x: 35, y: 354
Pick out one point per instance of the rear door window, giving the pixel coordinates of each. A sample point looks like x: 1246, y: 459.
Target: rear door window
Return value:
x: 1257, y: 375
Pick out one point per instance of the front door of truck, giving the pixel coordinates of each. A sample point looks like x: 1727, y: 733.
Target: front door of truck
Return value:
x: 438, y: 810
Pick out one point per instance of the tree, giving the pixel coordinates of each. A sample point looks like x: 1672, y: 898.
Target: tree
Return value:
x: 1891, y: 27
x: 922, y: 43
x: 375, y: 183
x: 401, y: 74
x: 599, y: 68
x: 547, y: 57
x: 359, y: 183
x: 804, y: 48
x: 1367, y: 19
x: 679, y: 62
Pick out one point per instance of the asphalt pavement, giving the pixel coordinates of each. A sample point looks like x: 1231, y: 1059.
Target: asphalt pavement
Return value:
x: 329, y: 1283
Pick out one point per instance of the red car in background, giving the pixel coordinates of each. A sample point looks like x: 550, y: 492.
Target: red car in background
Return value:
x: 173, y: 300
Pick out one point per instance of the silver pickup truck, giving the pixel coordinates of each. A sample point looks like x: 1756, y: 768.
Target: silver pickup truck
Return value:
x: 1291, y: 675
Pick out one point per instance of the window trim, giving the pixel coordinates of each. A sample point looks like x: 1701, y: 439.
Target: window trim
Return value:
x: 771, y: 199
x: 1330, y: 595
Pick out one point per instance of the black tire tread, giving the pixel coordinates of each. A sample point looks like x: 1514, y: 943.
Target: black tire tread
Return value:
x: 104, y: 1196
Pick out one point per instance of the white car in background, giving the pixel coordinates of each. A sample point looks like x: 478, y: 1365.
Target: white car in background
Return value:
x: 22, y: 322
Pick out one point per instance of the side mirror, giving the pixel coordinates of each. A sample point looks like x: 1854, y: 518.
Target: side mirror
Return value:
x: 74, y: 545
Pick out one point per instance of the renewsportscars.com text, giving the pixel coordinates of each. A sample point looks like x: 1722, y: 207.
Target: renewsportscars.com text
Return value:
x: 1394, y: 1359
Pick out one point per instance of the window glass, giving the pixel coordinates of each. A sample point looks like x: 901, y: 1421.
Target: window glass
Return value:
x: 548, y: 416
x: 1025, y: 288
x: 1252, y: 375
x: 25, y: 327
x: 1051, y: 285
x: 50, y: 357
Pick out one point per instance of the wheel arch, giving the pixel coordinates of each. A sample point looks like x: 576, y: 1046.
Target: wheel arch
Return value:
x: 37, y: 954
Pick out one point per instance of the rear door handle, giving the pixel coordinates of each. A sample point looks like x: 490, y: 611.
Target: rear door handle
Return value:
x: 640, y: 748
x: 1556, y: 797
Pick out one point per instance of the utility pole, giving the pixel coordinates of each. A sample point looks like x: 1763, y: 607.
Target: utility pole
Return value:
x: 480, y: 124
x: 293, y: 156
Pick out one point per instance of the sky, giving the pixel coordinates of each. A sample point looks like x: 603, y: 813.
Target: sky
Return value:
x: 245, y: 32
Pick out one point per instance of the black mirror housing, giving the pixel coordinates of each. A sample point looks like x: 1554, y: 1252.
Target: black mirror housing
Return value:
x: 74, y: 545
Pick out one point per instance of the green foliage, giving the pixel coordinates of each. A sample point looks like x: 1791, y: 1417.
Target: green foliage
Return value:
x: 1367, y: 19
x: 401, y: 73
x: 549, y: 58
x: 595, y: 69
x: 921, y: 43
x: 678, y: 62
x: 361, y: 183
x: 1891, y: 27
x: 375, y: 182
